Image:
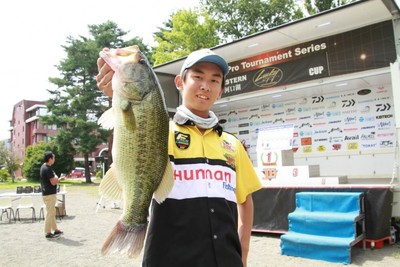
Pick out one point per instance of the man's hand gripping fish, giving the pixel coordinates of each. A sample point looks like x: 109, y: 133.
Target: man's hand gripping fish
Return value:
x: 141, y: 165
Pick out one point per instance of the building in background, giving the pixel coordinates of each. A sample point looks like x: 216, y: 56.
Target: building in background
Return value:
x: 25, y: 127
x: 26, y: 130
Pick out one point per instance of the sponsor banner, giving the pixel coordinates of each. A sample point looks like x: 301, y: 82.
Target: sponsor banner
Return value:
x: 331, y: 123
x: 366, y: 48
x: 312, y: 67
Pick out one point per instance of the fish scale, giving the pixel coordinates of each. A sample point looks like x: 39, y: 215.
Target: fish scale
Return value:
x: 141, y: 165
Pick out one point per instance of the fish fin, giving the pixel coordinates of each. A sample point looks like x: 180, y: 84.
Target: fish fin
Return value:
x: 109, y: 187
x: 125, y: 239
x: 107, y: 119
x: 166, y: 184
x: 128, y: 116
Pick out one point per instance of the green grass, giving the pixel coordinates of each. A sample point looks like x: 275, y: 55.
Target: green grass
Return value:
x: 68, y: 182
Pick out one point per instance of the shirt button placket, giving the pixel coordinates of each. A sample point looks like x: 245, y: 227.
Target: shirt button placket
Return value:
x: 215, y: 237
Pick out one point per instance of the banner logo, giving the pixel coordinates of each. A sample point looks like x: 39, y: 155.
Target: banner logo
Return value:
x: 268, y: 77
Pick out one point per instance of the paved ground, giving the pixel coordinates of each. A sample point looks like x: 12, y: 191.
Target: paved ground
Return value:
x: 23, y: 243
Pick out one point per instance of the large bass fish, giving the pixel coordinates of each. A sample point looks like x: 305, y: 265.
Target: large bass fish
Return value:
x: 141, y: 165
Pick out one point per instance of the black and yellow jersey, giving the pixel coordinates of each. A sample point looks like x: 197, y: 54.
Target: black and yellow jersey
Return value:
x: 211, y: 165
x: 196, y: 225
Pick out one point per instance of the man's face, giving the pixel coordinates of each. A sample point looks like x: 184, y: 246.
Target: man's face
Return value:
x: 201, y: 88
x: 51, y: 160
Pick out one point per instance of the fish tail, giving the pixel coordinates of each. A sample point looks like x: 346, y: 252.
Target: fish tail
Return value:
x: 125, y: 240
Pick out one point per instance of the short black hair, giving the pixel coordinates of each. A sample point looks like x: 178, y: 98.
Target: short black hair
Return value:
x: 48, y: 155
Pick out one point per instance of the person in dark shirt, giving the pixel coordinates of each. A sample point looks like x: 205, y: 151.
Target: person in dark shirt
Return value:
x: 49, y: 181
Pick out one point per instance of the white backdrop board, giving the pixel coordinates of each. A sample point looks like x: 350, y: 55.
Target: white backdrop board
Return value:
x: 347, y: 133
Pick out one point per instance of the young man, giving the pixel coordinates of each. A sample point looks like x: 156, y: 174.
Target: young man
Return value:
x: 197, y: 225
x: 49, y: 181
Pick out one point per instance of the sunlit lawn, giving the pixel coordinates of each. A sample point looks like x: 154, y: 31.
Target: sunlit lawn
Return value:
x: 79, y: 183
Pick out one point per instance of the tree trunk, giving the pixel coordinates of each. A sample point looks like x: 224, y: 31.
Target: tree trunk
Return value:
x: 87, y: 169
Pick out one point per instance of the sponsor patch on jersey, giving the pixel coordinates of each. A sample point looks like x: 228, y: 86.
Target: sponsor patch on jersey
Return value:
x: 182, y: 140
x: 230, y: 160
x: 228, y: 146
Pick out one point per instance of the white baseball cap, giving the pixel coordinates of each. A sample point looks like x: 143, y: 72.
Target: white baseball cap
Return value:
x: 205, y: 55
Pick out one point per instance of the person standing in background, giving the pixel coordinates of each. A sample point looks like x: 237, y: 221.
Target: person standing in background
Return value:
x: 49, y: 181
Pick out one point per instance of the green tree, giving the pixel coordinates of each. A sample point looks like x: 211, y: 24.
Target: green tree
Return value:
x: 8, y: 162
x: 4, y: 175
x: 240, y: 18
x: 109, y: 35
x: 184, y: 32
x: 76, y: 103
x: 34, y: 158
x: 316, y: 6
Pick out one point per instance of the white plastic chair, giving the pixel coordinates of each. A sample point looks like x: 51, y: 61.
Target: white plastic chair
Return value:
x: 41, y: 213
x: 59, y: 208
x: 26, y: 202
x: 5, y: 207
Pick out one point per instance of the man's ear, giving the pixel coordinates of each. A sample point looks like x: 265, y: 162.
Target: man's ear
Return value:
x: 178, y: 82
